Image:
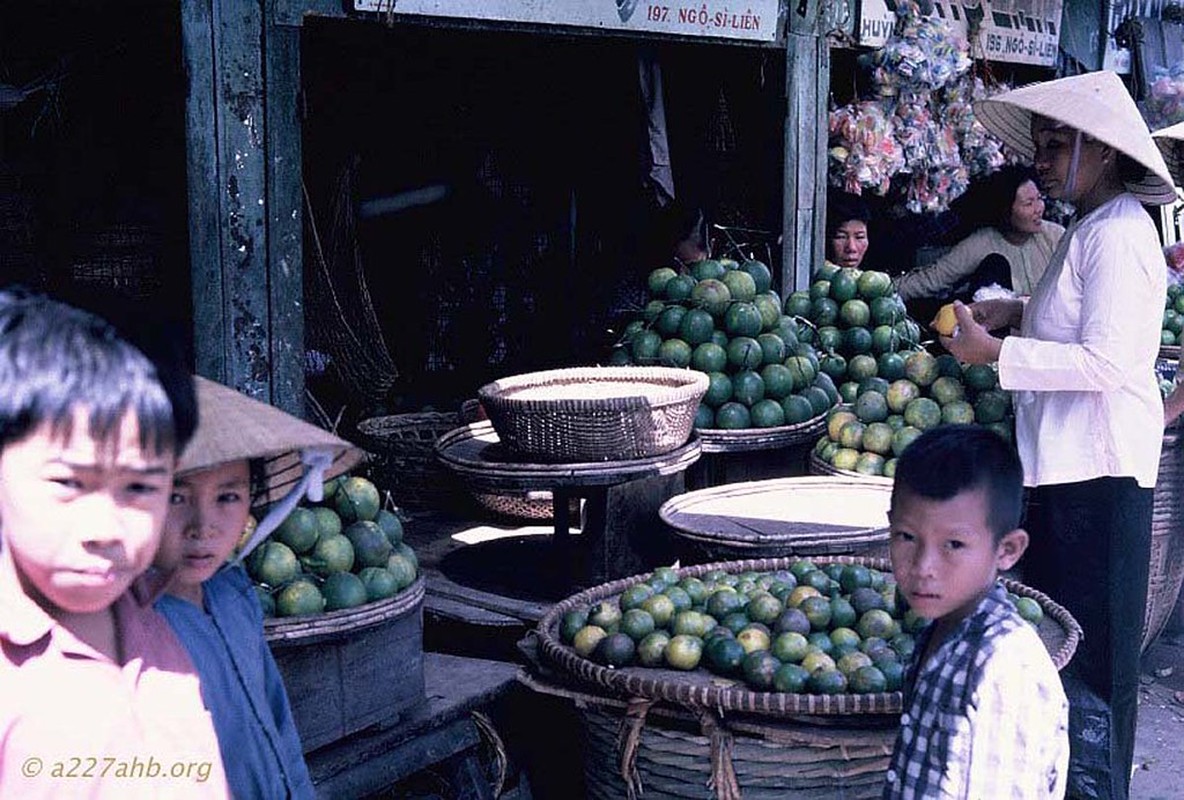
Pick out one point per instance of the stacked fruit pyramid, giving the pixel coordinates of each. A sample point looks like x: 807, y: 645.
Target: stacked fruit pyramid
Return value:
x: 892, y: 389
x: 722, y: 317
x: 825, y: 628
x: 341, y: 553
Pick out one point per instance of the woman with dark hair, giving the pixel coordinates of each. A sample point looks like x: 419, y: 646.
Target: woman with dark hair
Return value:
x: 847, y: 218
x: 1012, y: 248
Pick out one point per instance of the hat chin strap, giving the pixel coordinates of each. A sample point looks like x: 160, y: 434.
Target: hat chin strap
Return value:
x: 312, y: 484
x: 1071, y: 178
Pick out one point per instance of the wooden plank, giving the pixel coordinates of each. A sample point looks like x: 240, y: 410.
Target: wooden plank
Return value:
x: 285, y: 220
x: 439, y: 586
x: 372, y: 760
x: 197, y: 51
x: 807, y: 75
x: 241, y: 181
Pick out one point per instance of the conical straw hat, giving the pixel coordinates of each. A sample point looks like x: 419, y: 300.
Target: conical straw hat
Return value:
x: 1171, y: 145
x: 1095, y: 103
x: 232, y: 426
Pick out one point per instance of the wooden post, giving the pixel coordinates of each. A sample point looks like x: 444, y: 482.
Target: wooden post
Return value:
x: 807, y: 77
x: 244, y: 195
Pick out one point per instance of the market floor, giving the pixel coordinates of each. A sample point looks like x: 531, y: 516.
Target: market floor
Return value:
x: 1159, y: 740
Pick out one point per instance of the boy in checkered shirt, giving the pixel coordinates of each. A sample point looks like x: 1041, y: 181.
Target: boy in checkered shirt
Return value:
x: 985, y: 717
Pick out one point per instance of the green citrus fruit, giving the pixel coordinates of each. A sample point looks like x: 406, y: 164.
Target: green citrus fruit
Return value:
x: 343, y: 590
x: 297, y: 599
x: 684, y: 652
x: 669, y: 320
x: 298, y: 530
x: 657, y: 280
x: 695, y: 327
x: 744, y: 352
x: 273, y: 563
x: 712, y: 296
x: 390, y: 524
x: 371, y: 546
x: 356, y: 499
x: 733, y: 416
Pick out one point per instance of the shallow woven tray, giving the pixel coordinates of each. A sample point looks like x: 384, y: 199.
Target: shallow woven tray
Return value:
x: 823, y: 515
x: 698, y: 688
x: 284, y: 631
x: 1170, y: 352
x: 594, y: 413
x: 718, y: 440
x: 523, y: 506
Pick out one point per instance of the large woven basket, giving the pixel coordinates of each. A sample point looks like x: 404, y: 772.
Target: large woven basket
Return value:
x: 718, y: 440
x: 403, y: 458
x: 594, y: 413
x: 674, y: 762
x: 1167, y: 537
x: 698, y: 689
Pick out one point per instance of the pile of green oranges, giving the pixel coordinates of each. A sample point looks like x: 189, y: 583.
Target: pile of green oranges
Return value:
x: 722, y: 317
x: 890, y: 411
x: 341, y: 553
x: 819, y: 629
x: 814, y: 628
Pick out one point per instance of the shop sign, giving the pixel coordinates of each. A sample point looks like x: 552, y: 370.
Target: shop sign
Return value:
x: 743, y: 19
x: 1016, y: 31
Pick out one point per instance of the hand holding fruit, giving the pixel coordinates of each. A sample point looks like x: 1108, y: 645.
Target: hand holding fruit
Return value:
x: 973, y: 343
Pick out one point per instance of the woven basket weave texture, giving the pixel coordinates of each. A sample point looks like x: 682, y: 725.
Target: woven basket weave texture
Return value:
x: 588, y: 414
x: 1167, y: 537
x: 403, y: 458
x: 805, y: 763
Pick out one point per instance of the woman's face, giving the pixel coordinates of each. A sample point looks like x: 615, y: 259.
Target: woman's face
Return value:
x: 1054, y: 154
x: 1027, y: 211
x: 207, y: 513
x: 849, y: 243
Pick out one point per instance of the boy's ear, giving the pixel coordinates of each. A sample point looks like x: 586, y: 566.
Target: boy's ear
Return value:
x: 1010, y: 548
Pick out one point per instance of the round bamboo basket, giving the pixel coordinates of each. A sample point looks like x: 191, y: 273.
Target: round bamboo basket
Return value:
x: 674, y: 761
x: 718, y: 440
x: 699, y: 689
x: 284, y: 631
x: 403, y: 457
x: 594, y: 413
x: 822, y: 515
x: 1167, y: 537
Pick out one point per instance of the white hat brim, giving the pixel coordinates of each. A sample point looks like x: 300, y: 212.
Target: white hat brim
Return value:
x: 1171, y: 145
x: 1095, y: 103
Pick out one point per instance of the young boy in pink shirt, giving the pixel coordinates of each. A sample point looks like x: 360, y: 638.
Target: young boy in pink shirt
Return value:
x: 97, y: 696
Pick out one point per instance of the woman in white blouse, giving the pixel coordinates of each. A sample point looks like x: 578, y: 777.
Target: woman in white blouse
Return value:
x: 1089, y: 418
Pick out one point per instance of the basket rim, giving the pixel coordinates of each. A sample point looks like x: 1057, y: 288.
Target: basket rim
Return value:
x: 317, y: 627
x: 367, y: 424
x: 1170, y: 351
x: 669, y: 385
x: 847, y: 536
x: 719, y: 440
x: 627, y: 681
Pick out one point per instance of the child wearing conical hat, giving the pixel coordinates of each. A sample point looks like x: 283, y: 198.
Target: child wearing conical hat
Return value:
x: 210, y: 602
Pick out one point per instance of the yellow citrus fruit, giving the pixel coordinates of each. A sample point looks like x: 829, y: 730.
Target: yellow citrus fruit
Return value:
x: 945, y: 322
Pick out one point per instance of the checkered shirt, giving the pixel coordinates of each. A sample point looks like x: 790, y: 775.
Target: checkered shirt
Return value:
x: 985, y: 718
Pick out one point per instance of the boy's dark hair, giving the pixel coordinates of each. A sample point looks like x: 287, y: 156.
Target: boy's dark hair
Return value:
x: 946, y: 461
x: 55, y: 357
